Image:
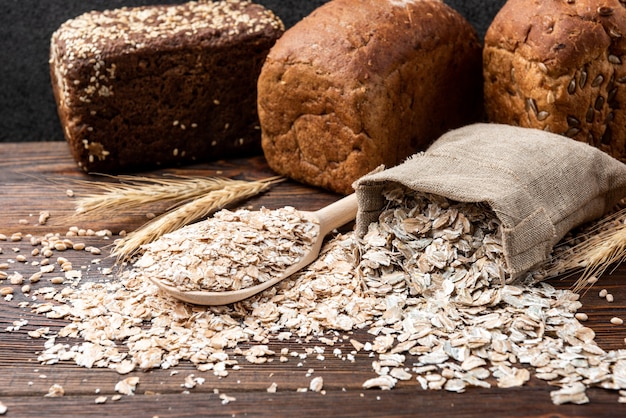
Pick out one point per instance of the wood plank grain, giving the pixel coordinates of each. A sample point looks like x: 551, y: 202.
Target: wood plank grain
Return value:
x: 390, y: 404
x: 35, y: 177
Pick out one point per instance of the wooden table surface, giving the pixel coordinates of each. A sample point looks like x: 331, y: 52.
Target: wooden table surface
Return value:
x: 35, y: 177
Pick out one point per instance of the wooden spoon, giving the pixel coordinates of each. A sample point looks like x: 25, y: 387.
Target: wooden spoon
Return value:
x: 328, y: 218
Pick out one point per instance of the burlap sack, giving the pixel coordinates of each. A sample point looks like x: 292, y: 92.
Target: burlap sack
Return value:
x: 540, y: 185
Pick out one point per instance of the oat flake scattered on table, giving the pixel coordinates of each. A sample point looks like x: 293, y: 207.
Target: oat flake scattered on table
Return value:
x: 426, y: 284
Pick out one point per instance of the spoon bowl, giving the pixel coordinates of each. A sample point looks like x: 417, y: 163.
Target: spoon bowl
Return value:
x: 328, y: 218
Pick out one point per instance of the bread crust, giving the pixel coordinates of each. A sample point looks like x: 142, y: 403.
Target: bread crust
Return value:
x: 152, y: 86
x: 363, y: 83
x: 558, y: 65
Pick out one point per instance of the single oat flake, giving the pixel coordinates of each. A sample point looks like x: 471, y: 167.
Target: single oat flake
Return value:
x: 55, y: 390
x: 127, y: 386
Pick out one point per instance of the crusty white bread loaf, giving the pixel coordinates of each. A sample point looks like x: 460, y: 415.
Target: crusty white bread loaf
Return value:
x: 362, y: 83
x: 559, y: 65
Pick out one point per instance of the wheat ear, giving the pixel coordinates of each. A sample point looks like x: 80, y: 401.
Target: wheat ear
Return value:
x: 190, y: 212
x: 601, y: 247
x: 133, y: 192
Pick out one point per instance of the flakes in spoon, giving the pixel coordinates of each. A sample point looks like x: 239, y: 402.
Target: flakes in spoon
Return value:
x: 230, y: 251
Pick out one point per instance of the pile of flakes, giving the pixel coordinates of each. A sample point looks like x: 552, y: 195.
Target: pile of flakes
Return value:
x: 428, y: 243
x: 427, y: 283
x: 231, y: 250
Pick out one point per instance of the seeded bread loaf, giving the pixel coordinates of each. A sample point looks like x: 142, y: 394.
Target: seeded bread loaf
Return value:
x: 161, y: 85
x: 559, y: 65
x: 360, y: 83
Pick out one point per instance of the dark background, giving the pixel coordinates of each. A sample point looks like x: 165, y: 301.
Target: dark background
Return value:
x: 27, y: 108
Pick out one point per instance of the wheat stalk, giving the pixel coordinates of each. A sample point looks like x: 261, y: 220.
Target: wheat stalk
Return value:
x: 189, y: 212
x: 601, y: 247
x: 135, y: 192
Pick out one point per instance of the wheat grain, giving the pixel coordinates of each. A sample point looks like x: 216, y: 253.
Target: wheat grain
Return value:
x: 581, y: 316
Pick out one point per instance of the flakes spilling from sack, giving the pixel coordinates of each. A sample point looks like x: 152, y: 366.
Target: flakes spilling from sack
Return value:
x: 430, y: 273
x: 231, y: 250
x: 540, y: 185
x: 439, y: 266
x: 435, y: 242
x: 432, y: 336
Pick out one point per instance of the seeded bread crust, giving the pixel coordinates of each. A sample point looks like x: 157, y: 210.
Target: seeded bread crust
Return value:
x: 559, y: 65
x: 161, y: 85
x: 360, y: 83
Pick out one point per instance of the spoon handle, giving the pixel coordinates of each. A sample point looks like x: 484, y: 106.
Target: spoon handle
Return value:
x: 337, y: 214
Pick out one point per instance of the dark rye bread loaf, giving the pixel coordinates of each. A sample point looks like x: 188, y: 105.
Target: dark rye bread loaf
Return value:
x: 559, y: 65
x: 161, y: 85
x: 360, y: 83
